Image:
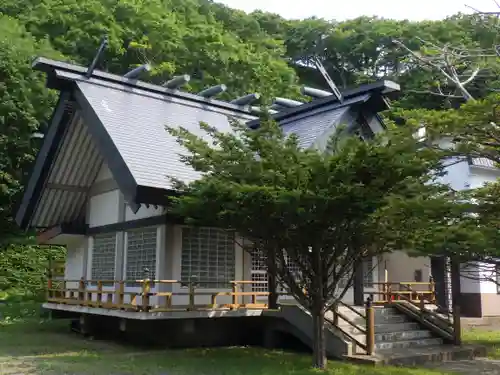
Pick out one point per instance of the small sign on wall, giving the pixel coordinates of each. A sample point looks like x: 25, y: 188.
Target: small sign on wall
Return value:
x: 417, y: 276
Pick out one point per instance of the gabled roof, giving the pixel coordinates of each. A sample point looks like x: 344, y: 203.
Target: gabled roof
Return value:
x: 120, y: 122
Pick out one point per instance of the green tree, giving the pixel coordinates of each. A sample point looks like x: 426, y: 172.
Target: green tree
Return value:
x: 475, y: 134
x: 176, y: 37
x: 328, y: 210
x: 24, y: 108
x: 474, y: 127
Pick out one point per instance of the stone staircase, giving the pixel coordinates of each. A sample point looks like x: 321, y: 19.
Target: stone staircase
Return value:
x: 399, y: 340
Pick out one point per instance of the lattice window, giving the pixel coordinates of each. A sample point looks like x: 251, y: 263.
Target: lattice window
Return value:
x: 141, y: 254
x: 368, y: 272
x: 208, y: 257
x: 259, y: 271
x: 103, y: 257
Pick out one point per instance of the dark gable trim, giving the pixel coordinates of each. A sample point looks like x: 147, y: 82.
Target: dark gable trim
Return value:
x: 154, y: 196
x: 85, y: 230
x: 43, y: 163
x: 134, y: 224
x: 65, y: 228
x: 115, y: 162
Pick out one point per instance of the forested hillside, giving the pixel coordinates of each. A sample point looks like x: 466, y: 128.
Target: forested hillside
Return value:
x: 256, y: 52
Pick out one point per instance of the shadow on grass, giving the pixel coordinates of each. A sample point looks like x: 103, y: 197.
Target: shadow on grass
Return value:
x: 227, y: 361
x: 30, y: 345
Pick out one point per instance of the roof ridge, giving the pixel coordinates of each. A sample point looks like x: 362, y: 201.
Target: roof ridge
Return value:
x: 51, y: 67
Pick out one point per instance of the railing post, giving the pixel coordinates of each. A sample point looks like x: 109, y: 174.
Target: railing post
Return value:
x: 370, y: 327
x: 146, y: 289
x: 191, y: 295
x: 422, y: 303
x: 99, y: 293
x: 234, y: 295
x: 120, y: 294
x: 457, y: 326
x: 432, y: 288
x: 81, y: 290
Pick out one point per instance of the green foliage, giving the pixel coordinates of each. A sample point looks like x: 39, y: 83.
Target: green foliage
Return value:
x: 327, y: 210
x: 24, y: 107
x: 471, y: 234
x: 177, y: 37
x: 23, y: 270
x: 474, y: 127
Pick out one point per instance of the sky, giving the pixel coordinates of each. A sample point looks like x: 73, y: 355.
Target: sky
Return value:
x: 342, y: 9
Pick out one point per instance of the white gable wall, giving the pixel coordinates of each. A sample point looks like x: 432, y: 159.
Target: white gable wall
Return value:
x: 107, y: 206
x: 75, y: 262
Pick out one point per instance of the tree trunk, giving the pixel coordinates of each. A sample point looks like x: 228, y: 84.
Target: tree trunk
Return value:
x: 319, y: 349
x: 272, y: 299
x: 272, y: 284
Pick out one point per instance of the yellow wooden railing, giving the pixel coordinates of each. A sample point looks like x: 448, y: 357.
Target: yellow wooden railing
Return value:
x: 388, y: 292
x: 416, y: 293
x: 98, y: 293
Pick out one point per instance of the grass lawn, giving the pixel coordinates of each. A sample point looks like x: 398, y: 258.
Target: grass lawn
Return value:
x: 486, y: 337
x: 28, y: 346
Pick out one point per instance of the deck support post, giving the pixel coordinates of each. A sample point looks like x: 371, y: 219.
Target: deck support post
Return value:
x: 370, y: 327
x: 359, y: 298
x: 457, y: 327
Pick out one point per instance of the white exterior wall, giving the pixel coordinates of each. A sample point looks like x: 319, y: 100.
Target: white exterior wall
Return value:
x: 464, y: 176
x: 104, y: 209
x: 401, y: 268
x: 477, y: 178
x: 74, y: 268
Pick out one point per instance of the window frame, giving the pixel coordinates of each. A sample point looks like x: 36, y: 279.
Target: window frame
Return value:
x: 94, y: 280
x: 215, y: 284
x: 126, y: 259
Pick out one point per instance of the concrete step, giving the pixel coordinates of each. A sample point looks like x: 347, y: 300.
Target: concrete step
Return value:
x: 402, y: 335
x: 417, y: 356
x: 396, y: 327
x: 381, y: 319
x: 404, y: 344
x: 386, y: 311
